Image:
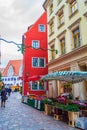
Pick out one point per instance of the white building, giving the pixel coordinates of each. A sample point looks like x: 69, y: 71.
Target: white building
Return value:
x: 12, y: 73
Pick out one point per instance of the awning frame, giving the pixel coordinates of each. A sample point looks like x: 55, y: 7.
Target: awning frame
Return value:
x: 68, y: 76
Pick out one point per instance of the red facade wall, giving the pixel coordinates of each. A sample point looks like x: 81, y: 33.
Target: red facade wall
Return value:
x: 34, y: 34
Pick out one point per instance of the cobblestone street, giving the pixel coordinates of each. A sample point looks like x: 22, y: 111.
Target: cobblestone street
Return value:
x: 19, y: 116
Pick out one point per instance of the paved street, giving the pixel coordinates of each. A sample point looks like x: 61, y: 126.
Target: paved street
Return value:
x: 19, y: 116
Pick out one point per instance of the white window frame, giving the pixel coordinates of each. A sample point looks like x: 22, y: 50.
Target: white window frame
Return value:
x: 38, y: 86
x: 36, y: 44
x: 38, y: 61
x: 40, y: 29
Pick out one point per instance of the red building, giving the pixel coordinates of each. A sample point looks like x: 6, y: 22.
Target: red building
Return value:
x: 35, y: 57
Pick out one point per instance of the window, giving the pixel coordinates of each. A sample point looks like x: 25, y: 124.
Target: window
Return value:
x: 42, y: 28
x: 38, y: 62
x: 76, y: 38
x: 51, y: 26
x: 41, y: 62
x: 18, y: 78
x: 14, y: 79
x: 8, y: 79
x: 51, y: 8
x: 11, y: 79
x: 52, y: 52
x: 61, y: 18
x: 85, y: 1
x: 5, y: 79
x: 10, y: 71
x: 35, y: 62
x: 59, y: 1
x: 62, y: 46
x: 35, y: 44
x: 73, y: 6
x: 37, y: 85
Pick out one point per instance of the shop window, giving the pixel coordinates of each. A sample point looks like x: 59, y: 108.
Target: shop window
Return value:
x: 73, y: 6
x: 62, y: 46
x: 76, y: 38
x: 51, y: 9
x: 67, y: 88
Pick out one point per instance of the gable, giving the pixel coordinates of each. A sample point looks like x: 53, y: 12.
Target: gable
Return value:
x: 10, y: 71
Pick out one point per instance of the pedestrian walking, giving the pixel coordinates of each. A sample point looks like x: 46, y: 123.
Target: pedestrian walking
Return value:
x: 3, y: 96
x: 9, y: 91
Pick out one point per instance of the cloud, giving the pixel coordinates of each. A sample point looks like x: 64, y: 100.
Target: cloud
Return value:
x: 15, y: 17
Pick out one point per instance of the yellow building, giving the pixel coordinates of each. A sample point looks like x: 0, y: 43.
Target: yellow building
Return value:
x: 67, y: 33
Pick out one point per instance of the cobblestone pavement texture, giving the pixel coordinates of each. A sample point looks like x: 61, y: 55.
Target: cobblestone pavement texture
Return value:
x: 19, y: 116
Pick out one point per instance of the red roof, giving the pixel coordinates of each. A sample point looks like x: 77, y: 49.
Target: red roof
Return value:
x: 16, y: 64
x: 1, y: 70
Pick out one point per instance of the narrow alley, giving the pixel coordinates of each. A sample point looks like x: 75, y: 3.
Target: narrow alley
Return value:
x: 19, y: 116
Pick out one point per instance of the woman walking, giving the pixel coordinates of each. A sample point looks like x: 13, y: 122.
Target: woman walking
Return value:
x: 3, y: 96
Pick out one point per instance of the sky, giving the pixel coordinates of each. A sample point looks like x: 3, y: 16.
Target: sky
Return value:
x: 15, y: 17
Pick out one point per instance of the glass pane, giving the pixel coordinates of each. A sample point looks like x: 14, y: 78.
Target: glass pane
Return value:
x: 34, y: 86
x: 35, y: 44
x: 79, y: 41
x: 42, y: 28
x: 41, y: 62
x: 35, y: 61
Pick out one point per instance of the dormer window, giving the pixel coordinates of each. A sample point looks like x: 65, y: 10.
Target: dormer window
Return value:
x: 10, y: 71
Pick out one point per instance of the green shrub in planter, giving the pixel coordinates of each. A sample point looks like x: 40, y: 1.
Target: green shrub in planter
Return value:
x: 48, y: 101
x: 72, y: 107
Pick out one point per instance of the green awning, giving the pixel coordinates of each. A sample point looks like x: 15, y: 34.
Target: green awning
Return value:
x: 68, y: 76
